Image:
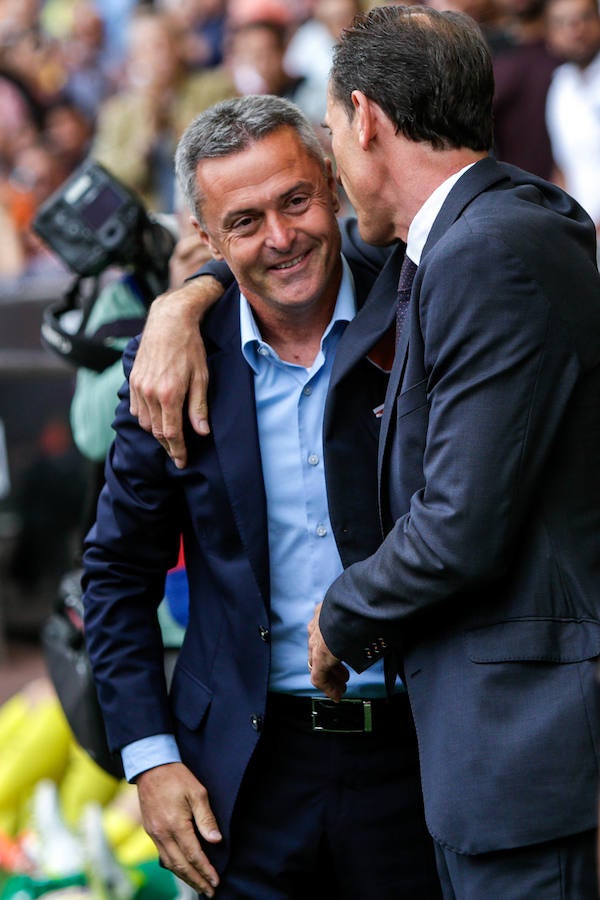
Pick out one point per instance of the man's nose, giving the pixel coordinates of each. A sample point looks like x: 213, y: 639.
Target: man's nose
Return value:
x: 280, y: 235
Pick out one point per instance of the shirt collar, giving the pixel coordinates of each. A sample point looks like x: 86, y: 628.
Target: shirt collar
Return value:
x: 422, y: 223
x: 344, y: 312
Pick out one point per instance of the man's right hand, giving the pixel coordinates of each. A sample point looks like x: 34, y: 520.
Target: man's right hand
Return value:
x: 171, y: 363
x: 176, y: 813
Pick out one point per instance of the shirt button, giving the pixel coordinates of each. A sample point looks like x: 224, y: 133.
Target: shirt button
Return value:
x: 321, y: 531
x: 256, y: 721
x: 307, y: 391
x: 263, y: 351
x: 313, y: 459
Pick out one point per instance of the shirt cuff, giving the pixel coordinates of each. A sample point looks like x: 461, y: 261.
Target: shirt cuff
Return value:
x: 156, y: 750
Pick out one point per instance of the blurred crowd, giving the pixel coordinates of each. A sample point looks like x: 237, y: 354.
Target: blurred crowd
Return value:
x: 122, y: 78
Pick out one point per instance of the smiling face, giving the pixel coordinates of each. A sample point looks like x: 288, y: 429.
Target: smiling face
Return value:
x: 270, y: 212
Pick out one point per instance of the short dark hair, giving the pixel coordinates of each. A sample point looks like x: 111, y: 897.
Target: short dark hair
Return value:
x: 429, y: 71
x: 230, y: 127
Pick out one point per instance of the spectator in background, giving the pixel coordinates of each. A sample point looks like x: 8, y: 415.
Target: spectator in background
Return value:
x: 11, y: 250
x: 573, y: 105
x: 69, y: 130
x: 37, y: 172
x: 202, y: 24
x: 310, y: 48
x: 27, y: 51
x: 116, y: 15
x: 522, y: 74
x: 488, y: 16
x: 87, y: 78
x: 240, y: 12
x: 255, y: 58
x: 138, y: 128
x: 21, y: 118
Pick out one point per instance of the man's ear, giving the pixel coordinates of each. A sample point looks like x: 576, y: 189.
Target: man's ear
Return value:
x: 365, y: 122
x: 206, y: 239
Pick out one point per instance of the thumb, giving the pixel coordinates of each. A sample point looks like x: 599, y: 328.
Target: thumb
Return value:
x: 207, y: 825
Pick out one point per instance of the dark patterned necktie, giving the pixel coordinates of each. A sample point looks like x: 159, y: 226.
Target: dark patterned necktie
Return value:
x: 407, y: 276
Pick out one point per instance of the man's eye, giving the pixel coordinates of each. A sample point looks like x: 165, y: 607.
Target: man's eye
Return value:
x: 243, y: 224
x: 300, y: 201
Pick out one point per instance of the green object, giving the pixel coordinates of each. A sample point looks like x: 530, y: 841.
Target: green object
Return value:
x: 95, y: 397
x: 22, y: 887
x: 157, y: 884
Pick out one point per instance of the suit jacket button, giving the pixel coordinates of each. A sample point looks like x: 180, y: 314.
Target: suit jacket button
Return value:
x: 265, y: 634
x: 257, y: 722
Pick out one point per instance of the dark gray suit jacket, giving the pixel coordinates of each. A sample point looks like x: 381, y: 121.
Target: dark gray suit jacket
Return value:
x: 487, y: 584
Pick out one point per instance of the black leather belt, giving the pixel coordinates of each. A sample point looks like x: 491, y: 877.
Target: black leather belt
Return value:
x: 348, y: 716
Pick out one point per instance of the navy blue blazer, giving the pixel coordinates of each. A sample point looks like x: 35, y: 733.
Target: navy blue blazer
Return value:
x: 218, y: 693
x: 488, y: 581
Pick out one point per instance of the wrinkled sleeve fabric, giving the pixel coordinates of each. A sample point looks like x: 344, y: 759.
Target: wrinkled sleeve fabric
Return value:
x: 499, y: 369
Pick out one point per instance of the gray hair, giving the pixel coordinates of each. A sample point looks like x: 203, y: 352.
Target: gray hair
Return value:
x: 230, y: 127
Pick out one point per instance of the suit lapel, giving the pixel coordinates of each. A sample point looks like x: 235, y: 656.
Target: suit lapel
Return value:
x: 480, y: 177
x: 233, y: 423
x: 371, y: 322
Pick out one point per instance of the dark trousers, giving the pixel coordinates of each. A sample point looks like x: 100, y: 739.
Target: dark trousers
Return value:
x: 329, y: 816
x: 564, y: 869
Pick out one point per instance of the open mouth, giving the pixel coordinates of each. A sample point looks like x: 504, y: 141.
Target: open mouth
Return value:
x: 290, y: 263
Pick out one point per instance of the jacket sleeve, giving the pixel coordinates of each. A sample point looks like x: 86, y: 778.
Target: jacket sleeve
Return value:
x: 499, y: 369
x: 127, y: 553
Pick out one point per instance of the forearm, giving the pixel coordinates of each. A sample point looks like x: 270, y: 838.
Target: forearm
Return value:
x: 189, y: 303
x: 487, y: 415
x: 171, y: 364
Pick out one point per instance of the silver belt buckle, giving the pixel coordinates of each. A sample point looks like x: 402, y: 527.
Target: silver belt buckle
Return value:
x: 318, y: 705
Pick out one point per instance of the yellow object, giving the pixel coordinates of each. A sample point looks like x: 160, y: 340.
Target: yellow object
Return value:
x: 138, y: 848
x: 13, y: 714
x: 8, y: 821
x: 84, y: 782
x: 118, y: 826
x: 39, y: 749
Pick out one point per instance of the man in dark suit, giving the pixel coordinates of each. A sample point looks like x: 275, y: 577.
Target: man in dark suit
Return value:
x: 246, y: 781
x: 486, y: 588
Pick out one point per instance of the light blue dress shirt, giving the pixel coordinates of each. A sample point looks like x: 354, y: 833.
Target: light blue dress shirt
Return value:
x: 303, y: 556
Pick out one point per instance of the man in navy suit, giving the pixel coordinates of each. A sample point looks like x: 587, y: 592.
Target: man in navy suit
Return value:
x: 485, y: 591
x: 249, y: 784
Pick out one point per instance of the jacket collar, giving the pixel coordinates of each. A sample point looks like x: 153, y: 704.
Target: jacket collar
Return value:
x: 480, y: 177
